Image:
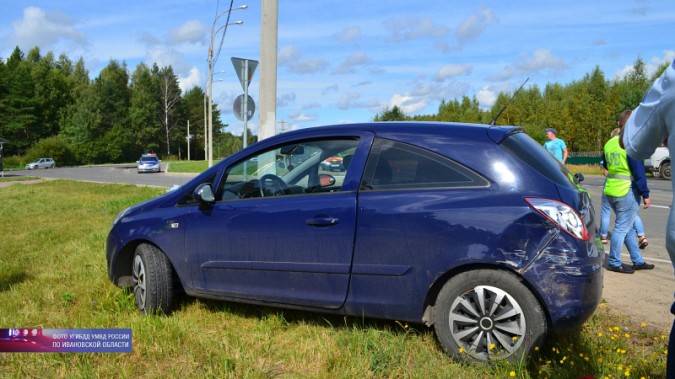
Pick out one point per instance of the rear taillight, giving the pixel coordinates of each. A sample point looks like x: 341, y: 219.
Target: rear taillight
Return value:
x: 561, y: 214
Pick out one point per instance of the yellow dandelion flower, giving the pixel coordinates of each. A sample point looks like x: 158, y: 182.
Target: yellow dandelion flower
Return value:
x: 622, y: 351
x: 643, y: 325
x: 627, y: 373
x: 600, y: 334
x: 512, y: 374
x: 616, y: 328
x: 461, y: 350
x: 492, y: 346
x: 581, y: 355
x: 627, y: 335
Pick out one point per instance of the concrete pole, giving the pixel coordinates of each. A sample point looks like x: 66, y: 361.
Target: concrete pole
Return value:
x: 268, y: 68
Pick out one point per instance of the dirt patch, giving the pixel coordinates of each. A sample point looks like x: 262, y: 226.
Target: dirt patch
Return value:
x: 644, y: 297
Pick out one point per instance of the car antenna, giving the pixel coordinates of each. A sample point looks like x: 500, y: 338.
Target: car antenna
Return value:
x: 492, y: 123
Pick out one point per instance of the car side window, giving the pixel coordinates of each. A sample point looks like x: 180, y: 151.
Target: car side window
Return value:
x: 298, y: 168
x: 395, y: 165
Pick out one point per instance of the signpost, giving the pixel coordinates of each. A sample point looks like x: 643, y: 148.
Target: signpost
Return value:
x: 244, y: 69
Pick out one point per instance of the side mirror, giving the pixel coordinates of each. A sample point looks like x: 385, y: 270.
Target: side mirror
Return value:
x: 204, y: 194
x: 578, y: 177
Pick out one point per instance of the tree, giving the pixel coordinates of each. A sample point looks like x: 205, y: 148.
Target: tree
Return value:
x: 393, y: 114
x: 146, y: 128
x: 193, y: 101
x: 112, y: 137
x: 170, y: 102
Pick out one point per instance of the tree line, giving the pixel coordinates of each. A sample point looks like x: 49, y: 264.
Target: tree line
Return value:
x: 583, y: 112
x: 50, y: 107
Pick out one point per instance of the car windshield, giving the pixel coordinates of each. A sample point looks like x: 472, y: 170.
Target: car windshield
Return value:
x: 149, y: 159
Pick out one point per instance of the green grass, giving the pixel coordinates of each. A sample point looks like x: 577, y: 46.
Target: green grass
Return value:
x: 53, y: 275
x: 8, y: 178
x: 189, y: 166
x: 585, y: 169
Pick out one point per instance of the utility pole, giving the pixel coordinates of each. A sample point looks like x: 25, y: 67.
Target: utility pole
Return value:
x: 268, y: 68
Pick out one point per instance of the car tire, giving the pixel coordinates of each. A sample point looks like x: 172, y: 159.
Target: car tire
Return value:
x: 152, y: 280
x: 664, y: 170
x: 483, y: 315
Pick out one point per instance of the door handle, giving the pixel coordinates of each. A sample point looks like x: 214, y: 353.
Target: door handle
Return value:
x: 322, y: 221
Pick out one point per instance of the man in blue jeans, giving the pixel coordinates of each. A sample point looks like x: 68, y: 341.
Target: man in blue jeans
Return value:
x: 622, y: 172
x: 651, y: 124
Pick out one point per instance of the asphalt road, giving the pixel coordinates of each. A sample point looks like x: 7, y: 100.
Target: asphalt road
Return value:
x: 120, y: 174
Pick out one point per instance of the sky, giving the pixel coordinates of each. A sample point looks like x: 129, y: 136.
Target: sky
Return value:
x: 344, y: 61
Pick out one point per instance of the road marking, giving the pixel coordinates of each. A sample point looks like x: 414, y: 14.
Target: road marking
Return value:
x: 660, y: 206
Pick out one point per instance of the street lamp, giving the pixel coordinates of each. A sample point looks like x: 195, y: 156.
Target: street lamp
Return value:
x: 215, y: 31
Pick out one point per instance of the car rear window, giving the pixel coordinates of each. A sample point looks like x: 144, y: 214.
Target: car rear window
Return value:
x: 533, y: 154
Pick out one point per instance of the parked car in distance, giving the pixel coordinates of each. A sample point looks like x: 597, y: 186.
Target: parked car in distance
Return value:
x: 148, y: 163
x: 41, y: 163
x: 492, y: 253
x: 332, y: 164
x: 659, y: 163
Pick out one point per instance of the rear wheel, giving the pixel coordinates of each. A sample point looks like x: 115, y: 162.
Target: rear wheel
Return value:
x: 153, y: 283
x: 488, y: 315
x: 665, y: 170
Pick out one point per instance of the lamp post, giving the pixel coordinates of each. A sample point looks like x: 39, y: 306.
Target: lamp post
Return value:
x: 215, y: 31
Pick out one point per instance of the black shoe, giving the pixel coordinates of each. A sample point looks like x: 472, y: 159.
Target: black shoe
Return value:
x: 624, y: 269
x: 643, y: 266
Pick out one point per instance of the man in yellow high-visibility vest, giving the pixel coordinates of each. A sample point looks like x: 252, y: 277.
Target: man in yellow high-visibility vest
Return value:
x: 622, y: 171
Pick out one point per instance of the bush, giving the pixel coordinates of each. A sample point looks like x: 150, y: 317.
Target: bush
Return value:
x: 53, y: 147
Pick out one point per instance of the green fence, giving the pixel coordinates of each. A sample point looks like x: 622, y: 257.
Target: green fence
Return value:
x: 585, y: 157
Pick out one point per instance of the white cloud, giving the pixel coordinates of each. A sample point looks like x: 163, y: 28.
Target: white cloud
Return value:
x: 301, y: 117
x: 193, y: 79
x: 286, y: 99
x: 291, y: 57
x: 474, y: 25
x: 452, y: 70
x: 650, y: 68
x: 486, y: 97
x: 408, y: 104
x: 348, y: 34
x: 353, y: 61
x: 45, y: 29
x: 352, y: 100
x: 191, y: 32
x: 540, y: 60
x: 168, y: 57
x: 412, y: 28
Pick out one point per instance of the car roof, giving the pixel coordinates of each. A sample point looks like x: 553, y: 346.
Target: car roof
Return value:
x: 417, y: 128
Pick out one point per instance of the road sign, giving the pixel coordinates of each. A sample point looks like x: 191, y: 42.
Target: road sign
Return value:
x: 239, y: 110
x: 244, y: 69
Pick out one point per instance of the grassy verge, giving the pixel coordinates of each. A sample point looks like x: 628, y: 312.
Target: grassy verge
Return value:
x: 188, y: 166
x: 9, y: 178
x: 53, y: 275
x: 586, y: 169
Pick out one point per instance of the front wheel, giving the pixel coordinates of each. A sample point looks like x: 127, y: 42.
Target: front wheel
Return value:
x: 488, y: 315
x: 153, y: 280
x: 665, y: 171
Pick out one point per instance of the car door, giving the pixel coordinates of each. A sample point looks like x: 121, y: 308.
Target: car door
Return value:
x: 262, y: 242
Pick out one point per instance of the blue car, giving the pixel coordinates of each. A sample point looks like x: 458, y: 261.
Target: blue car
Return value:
x: 474, y: 230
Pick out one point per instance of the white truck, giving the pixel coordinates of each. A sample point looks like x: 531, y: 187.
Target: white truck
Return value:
x: 659, y: 163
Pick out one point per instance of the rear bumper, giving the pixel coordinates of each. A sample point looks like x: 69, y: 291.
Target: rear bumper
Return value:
x: 568, y: 278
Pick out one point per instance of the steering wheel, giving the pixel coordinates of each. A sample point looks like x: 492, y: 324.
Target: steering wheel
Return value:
x: 272, y: 185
